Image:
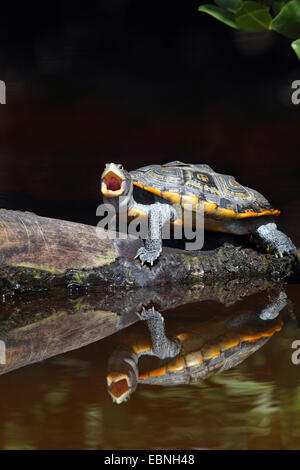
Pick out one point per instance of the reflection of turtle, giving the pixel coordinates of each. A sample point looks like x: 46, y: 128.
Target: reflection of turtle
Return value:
x: 192, y: 355
x: 156, y: 190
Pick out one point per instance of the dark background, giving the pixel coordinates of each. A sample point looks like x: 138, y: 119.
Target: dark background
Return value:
x: 140, y: 82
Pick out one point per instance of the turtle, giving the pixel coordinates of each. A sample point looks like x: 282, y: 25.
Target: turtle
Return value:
x: 193, y: 353
x: 156, y: 191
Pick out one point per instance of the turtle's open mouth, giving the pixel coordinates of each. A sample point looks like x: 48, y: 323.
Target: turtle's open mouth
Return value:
x: 112, y: 184
x: 118, y: 387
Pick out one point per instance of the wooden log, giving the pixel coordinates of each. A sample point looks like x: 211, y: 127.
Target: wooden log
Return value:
x: 37, y: 254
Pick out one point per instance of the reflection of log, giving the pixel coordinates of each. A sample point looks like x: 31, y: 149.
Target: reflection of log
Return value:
x: 39, y: 253
x: 34, y: 328
x: 43, y: 327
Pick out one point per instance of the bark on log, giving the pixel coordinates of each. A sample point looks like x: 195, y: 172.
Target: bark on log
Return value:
x: 37, y: 254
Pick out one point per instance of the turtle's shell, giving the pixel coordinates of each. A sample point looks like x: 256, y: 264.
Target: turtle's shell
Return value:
x: 195, y: 184
x: 210, y: 347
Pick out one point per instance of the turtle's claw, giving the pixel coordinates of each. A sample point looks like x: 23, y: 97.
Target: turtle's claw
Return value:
x: 148, y: 313
x: 144, y: 314
x: 140, y: 314
x: 147, y: 256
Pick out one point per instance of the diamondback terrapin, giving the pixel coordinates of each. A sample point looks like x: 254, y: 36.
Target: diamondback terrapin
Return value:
x: 156, y: 190
x: 198, y: 350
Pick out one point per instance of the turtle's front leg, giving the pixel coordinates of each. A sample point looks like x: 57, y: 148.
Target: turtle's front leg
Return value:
x: 276, y: 304
x: 276, y: 241
x: 150, y: 252
x: 162, y: 347
x: 158, y: 215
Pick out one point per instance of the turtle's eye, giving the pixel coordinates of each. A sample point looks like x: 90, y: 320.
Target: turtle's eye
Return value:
x: 120, y: 166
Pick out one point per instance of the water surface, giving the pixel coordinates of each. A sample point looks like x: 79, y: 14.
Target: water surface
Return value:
x: 62, y: 402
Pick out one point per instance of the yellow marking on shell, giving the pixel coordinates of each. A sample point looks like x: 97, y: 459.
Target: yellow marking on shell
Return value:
x: 176, y: 365
x: 210, y: 351
x: 202, y: 177
x: 153, y: 190
x: 171, y: 196
x: 228, y: 343
x: 253, y: 337
x: 178, y: 222
x: 140, y: 347
x: 144, y: 376
x: 137, y: 184
x: 194, y: 359
x: 158, y: 372
x: 233, y: 183
x: 245, y: 215
x: 187, y: 199
x: 182, y: 336
x: 133, y: 212
x: 279, y: 326
x: 209, y: 207
x: 231, y: 214
x: 264, y: 334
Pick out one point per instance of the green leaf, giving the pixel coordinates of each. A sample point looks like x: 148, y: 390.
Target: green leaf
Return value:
x: 220, y: 14
x: 253, y: 16
x: 232, y: 4
x: 277, y: 6
x: 296, y: 46
x: 287, y: 22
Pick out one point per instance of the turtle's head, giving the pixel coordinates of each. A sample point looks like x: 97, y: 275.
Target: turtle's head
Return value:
x: 116, y: 185
x: 119, y: 387
x: 122, y: 374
